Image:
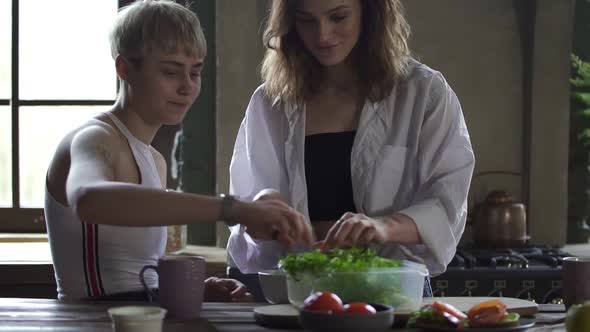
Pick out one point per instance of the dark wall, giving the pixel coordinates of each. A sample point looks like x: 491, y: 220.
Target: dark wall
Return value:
x: 199, y: 129
x: 582, y: 30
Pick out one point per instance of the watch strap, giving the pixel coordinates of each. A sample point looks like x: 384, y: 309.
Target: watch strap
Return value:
x: 227, y: 201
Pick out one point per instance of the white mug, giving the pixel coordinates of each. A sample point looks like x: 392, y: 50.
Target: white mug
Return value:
x: 137, y: 318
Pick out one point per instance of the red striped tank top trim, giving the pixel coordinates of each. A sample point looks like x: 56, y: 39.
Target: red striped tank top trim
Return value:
x: 91, y: 260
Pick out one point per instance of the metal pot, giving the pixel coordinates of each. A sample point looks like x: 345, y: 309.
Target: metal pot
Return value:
x: 500, y: 222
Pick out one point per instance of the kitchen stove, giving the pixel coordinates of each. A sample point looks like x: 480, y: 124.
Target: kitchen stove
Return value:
x: 532, y: 273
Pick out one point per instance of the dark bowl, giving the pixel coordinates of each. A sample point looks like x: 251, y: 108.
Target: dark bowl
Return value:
x: 319, y: 321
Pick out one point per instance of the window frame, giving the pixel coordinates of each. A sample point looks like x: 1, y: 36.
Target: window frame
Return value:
x: 17, y: 219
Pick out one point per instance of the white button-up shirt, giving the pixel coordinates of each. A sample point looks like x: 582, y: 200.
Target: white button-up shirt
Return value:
x: 411, y: 155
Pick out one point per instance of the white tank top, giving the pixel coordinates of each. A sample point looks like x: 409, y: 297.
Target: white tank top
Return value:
x: 96, y: 260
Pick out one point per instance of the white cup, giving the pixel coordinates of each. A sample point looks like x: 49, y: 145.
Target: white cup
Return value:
x: 137, y: 318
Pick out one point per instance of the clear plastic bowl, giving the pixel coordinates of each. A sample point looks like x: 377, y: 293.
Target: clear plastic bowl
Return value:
x: 399, y: 287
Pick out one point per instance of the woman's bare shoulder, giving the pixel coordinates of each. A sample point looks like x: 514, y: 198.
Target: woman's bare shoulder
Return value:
x: 59, y: 165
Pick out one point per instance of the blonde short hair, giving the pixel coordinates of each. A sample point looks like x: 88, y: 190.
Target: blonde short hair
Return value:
x: 291, y: 73
x: 164, y: 24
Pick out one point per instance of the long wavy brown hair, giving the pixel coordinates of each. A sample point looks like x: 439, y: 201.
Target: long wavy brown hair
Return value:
x: 292, y: 74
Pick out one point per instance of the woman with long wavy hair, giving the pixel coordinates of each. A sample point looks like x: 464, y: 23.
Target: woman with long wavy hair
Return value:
x: 351, y: 131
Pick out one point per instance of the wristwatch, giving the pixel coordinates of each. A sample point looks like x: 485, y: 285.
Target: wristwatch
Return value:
x: 225, y: 214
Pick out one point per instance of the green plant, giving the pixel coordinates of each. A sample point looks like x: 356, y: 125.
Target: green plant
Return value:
x: 580, y: 82
x: 579, y: 151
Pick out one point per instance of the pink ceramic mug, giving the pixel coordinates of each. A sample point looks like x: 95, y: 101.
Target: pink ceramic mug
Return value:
x: 576, y: 280
x: 181, y: 285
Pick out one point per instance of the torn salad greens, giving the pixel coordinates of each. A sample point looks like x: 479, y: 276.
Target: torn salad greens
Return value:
x: 356, y: 275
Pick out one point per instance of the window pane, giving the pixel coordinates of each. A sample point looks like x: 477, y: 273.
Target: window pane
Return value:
x: 67, y: 56
x: 5, y: 157
x: 40, y: 131
x: 5, y: 48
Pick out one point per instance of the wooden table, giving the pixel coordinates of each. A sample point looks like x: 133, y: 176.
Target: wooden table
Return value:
x: 19, y: 314
x: 26, y: 269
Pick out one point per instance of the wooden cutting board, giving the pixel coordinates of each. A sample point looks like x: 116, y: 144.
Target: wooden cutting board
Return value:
x: 520, y: 306
x: 287, y: 316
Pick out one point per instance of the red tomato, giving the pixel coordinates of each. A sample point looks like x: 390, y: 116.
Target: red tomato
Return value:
x: 359, y: 308
x: 323, y: 302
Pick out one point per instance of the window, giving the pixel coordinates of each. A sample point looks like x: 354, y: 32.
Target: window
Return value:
x: 55, y: 73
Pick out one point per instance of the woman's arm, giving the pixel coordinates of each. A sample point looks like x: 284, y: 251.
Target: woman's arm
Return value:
x: 97, y: 198
x: 446, y: 163
x: 258, y: 172
x: 436, y: 215
x: 357, y: 230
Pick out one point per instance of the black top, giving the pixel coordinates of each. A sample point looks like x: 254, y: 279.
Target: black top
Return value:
x: 327, y: 173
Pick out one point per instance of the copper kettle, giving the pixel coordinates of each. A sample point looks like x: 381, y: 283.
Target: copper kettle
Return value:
x: 500, y: 222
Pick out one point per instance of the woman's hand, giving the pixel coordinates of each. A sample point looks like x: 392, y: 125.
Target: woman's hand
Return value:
x: 357, y: 230
x: 272, y: 219
x: 225, y: 290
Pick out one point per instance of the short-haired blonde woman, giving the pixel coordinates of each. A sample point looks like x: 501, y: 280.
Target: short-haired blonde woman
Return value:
x: 351, y: 131
x: 105, y: 203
